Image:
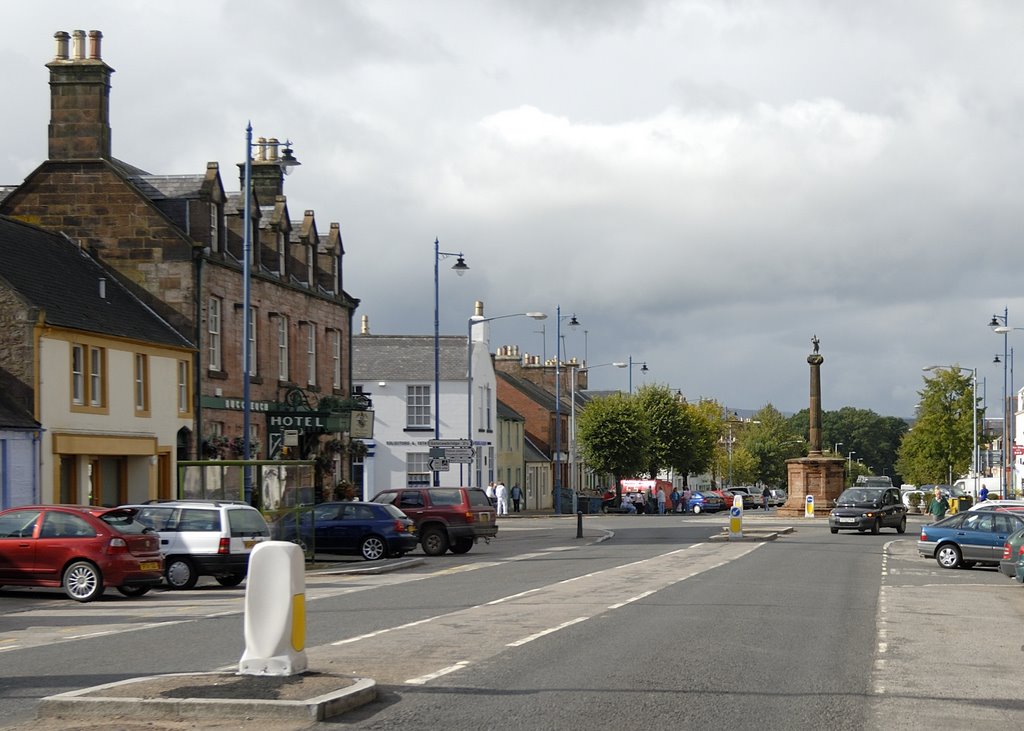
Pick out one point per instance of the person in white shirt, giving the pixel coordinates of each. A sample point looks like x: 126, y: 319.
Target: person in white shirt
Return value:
x: 501, y: 493
x: 490, y: 492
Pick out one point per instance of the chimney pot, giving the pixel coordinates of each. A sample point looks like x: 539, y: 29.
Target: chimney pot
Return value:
x: 94, y: 44
x: 478, y: 308
x: 272, y: 149
x: 364, y: 328
x: 62, y: 45
x: 78, y: 45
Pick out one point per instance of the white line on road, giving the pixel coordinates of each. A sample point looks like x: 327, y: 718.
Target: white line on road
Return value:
x: 638, y: 597
x: 386, y: 629
x: 423, y: 679
x: 542, y: 633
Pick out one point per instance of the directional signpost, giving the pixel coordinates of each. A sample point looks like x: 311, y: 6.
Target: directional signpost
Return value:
x: 438, y: 464
x: 451, y: 450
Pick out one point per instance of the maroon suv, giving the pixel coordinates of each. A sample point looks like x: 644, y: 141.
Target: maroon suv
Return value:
x: 447, y: 518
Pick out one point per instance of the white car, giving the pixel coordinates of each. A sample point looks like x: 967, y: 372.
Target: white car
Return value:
x: 204, y: 538
x: 992, y: 504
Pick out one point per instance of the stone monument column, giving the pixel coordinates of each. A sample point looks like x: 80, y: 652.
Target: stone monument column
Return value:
x: 816, y: 474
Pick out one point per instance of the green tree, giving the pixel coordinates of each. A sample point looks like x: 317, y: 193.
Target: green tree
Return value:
x: 706, y: 417
x: 874, y: 439
x: 614, y: 437
x: 770, y: 439
x: 673, y: 430
x: 938, y: 448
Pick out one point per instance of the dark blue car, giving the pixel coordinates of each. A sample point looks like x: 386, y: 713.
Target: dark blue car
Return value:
x: 709, y: 502
x: 968, y: 538
x: 370, y: 530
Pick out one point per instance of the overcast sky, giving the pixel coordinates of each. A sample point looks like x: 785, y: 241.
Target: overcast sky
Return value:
x: 706, y: 185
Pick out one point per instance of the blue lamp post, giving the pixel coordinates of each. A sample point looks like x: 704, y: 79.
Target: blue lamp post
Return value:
x: 573, y: 323
x: 287, y: 162
x: 1001, y: 326
x: 643, y: 369
x: 460, y: 268
x: 469, y: 373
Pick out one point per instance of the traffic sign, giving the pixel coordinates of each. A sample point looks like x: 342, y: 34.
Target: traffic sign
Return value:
x: 465, y: 443
x: 456, y: 454
x: 439, y: 464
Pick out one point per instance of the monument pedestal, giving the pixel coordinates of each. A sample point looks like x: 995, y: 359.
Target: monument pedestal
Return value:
x: 822, y: 477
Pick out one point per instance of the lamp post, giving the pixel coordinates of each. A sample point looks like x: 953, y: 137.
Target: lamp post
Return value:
x: 572, y: 418
x: 287, y: 162
x: 460, y: 268
x: 475, y: 320
x: 643, y: 369
x: 573, y: 323
x: 835, y: 449
x: 974, y: 419
x: 1001, y: 326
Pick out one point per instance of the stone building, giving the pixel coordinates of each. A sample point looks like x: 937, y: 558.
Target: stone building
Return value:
x: 177, y: 243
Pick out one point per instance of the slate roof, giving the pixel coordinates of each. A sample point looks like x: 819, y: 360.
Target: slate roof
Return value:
x: 32, y: 260
x: 535, y: 393
x: 533, y: 453
x: 407, y: 358
x: 14, y: 417
x: 507, y: 412
x: 6, y: 190
x: 160, y: 187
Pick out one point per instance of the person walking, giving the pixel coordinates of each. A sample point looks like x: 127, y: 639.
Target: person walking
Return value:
x: 661, y: 501
x: 675, y: 499
x: 766, y: 496
x: 983, y: 494
x: 939, y: 505
x: 516, y: 494
x: 501, y: 494
x: 687, y: 495
x: 490, y: 492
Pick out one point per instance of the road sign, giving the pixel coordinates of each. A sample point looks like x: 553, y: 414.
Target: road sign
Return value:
x: 464, y: 443
x: 439, y: 464
x: 458, y: 454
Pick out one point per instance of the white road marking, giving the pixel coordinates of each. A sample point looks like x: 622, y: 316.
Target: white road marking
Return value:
x: 437, y: 674
x: 542, y: 633
x: 386, y: 630
x: 631, y: 600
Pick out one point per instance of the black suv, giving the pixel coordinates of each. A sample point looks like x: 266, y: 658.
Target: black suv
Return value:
x: 868, y: 508
x: 447, y: 518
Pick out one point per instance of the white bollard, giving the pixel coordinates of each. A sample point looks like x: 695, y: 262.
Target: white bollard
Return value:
x: 275, y: 611
x: 809, y: 506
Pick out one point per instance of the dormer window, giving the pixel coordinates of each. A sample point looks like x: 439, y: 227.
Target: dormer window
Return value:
x: 215, y: 219
x: 282, y: 253
x: 310, y: 259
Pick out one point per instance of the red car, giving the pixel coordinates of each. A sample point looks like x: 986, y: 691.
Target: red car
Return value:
x: 81, y: 548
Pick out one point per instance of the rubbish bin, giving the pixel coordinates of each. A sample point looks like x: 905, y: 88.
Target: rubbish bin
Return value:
x: 962, y: 502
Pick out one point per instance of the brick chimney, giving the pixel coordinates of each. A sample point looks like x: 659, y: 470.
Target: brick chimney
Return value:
x: 267, y: 173
x: 79, y: 99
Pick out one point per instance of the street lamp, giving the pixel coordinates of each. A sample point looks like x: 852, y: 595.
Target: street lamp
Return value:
x: 573, y: 323
x: 835, y: 449
x: 460, y: 268
x: 1001, y: 326
x: 287, y: 161
x: 572, y: 418
x: 643, y: 369
x: 974, y: 419
x: 474, y: 320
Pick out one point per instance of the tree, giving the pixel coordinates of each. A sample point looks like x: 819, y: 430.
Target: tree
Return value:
x: 770, y: 440
x: 614, y: 437
x: 872, y: 438
x: 672, y: 428
x: 941, y: 443
x: 706, y: 417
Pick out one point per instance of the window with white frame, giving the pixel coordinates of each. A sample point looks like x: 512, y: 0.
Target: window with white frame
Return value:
x: 417, y: 469
x: 96, y: 389
x: 214, y: 226
x: 282, y: 253
x: 282, y: 348
x: 78, y: 375
x: 487, y: 402
x: 184, y: 383
x: 417, y: 406
x: 214, y: 309
x: 311, y: 353
x: 310, y: 264
x: 336, y: 359
x: 141, y: 382
x: 253, y: 359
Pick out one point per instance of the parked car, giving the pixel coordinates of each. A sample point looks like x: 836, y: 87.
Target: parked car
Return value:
x: 868, y: 508
x: 370, y: 530
x: 1013, y: 552
x: 968, y: 538
x: 81, y: 548
x: 993, y: 504
x: 706, y: 501
x: 778, y: 498
x: 750, y: 500
x: 447, y: 518
x: 205, y: 538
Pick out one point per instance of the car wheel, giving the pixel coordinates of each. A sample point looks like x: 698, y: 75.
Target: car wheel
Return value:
x: 462, y: 545
x: 231, y: 579
x: 180, y: 573
x: 372, y: 548
x: 876, y: 527
x: 434, y: 542
x: 696, y: 509
x: 133, y: 591
x: 902, y: 527
x: 834, y: 530
x: 82, y: 581
x: 948, y: 556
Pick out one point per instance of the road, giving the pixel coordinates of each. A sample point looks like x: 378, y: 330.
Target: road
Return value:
x: 658, y: 627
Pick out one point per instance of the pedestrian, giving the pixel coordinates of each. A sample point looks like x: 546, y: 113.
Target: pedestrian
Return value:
x: 687, y: 495
x: 638, y: 502
x: 516, y: 494
x: 939, y: 505
x: 675, y: 499
x: 627, y: 504
x: 983, y: 494
x: 501, y: 494
x: 661, y: 500
x: 766, y: 495
x: 490, y: 493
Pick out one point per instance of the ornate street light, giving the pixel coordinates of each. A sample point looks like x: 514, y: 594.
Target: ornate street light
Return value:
x: 460, y: 268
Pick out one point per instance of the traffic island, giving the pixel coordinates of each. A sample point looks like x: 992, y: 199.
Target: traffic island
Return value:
x: 307, y: 696
x: 752, y: 534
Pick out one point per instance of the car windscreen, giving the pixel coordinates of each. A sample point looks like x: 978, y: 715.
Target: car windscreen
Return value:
x: 247, y: 523
x: 860, y: 495
x: 125, y: 521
